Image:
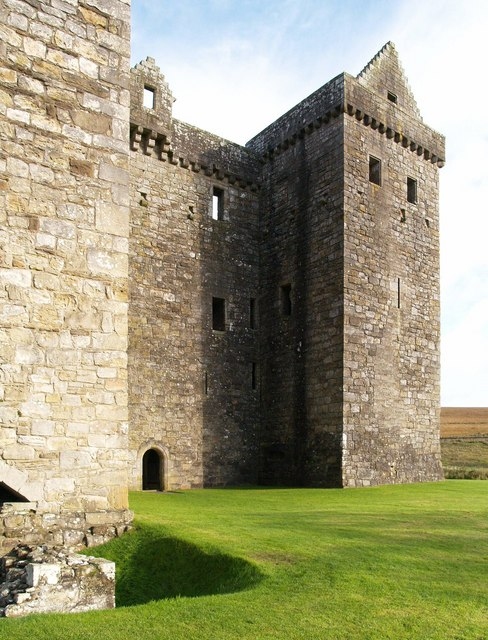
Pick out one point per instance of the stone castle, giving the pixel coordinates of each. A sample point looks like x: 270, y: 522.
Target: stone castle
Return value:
x: 180, y: 311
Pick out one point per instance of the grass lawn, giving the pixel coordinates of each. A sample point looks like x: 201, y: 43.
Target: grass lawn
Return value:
x: 391, y: 562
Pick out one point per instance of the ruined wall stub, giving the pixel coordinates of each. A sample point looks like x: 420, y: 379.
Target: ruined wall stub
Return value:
x: 64, y: 214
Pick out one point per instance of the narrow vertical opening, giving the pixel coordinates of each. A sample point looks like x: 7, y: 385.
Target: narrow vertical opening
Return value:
x: 252, y: 313
x: 218, y: 314
x: 374, y: 170
x: 205, y: 383
x: 149, y: 97
x: 218, y: 204
x: 399, y: 294
x: 286, y: 306
x: 254, y: 376
x: 412, y: 190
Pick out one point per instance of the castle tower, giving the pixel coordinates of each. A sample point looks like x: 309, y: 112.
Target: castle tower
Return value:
x: 194, y: 274
x: 391, y: 281
x: 350, y: 285
x: 64, y: 215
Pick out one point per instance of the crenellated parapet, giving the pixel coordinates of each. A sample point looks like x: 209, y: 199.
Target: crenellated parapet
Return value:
x: 151, y: 100
x: 318, y: 109
x: 155, y: 133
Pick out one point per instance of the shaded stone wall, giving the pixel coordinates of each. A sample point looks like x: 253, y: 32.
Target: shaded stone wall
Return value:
x: 301, y: 258
x: 64, y: 218
x: 191, y: 395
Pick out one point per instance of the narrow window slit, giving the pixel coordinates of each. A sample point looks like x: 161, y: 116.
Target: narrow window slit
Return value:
x: 374, y: 170
x: 412, y: 190
x: 254, y: 376
x: 286, y: 299
x: 218, y: 314
x: 252, y: 313
x: 217, y: 204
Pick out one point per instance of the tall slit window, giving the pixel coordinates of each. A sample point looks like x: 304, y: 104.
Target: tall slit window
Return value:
x: 286, y: 299
x: 218, y: 314
x: 218, y: 204
x: 149, y: 97
x: 412, y: 190
x: 374, y: 170
x: 252, y: 313
x: 254, y: 376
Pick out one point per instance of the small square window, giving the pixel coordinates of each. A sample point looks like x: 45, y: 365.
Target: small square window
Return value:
x: 374, y: 170
x: 392, y: 97
x: 218, y: 314
x: 286, y: 299
x: 149, y: 98
x: 218, y: 204
x: 412, y: 190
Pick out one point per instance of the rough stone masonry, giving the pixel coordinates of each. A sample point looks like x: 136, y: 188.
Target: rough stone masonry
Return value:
x: 180, y: 311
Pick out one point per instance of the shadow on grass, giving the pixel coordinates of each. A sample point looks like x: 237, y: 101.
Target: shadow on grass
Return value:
x: 151, y: 566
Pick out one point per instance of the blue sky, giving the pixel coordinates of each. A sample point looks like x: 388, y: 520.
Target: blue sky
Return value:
x: 234, y: 66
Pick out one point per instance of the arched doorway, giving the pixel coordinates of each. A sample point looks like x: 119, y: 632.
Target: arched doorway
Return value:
x: 152, y: 471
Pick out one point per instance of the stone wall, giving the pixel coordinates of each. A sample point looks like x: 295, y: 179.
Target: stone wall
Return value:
x: 25, y: 523
x: 64, y: 216
x: 391, y: 359
x: 330, y: 383
x: 351, y: 362
x: 302, y: 259
x: 288, y: 335
x: 192, y: 399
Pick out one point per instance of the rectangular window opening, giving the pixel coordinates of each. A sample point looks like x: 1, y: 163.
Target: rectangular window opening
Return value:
x: 286, y: 299
x: 149, y: 97
x: 218, y: 314
x: 392, y: 97
x: 218, y: 204
x: 252, y: 313
x: 374, y: 170
x: 412, y: 190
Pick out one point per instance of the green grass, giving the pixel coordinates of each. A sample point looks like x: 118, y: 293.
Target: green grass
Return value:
x: 465, y: 457
x: 391, y: 562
